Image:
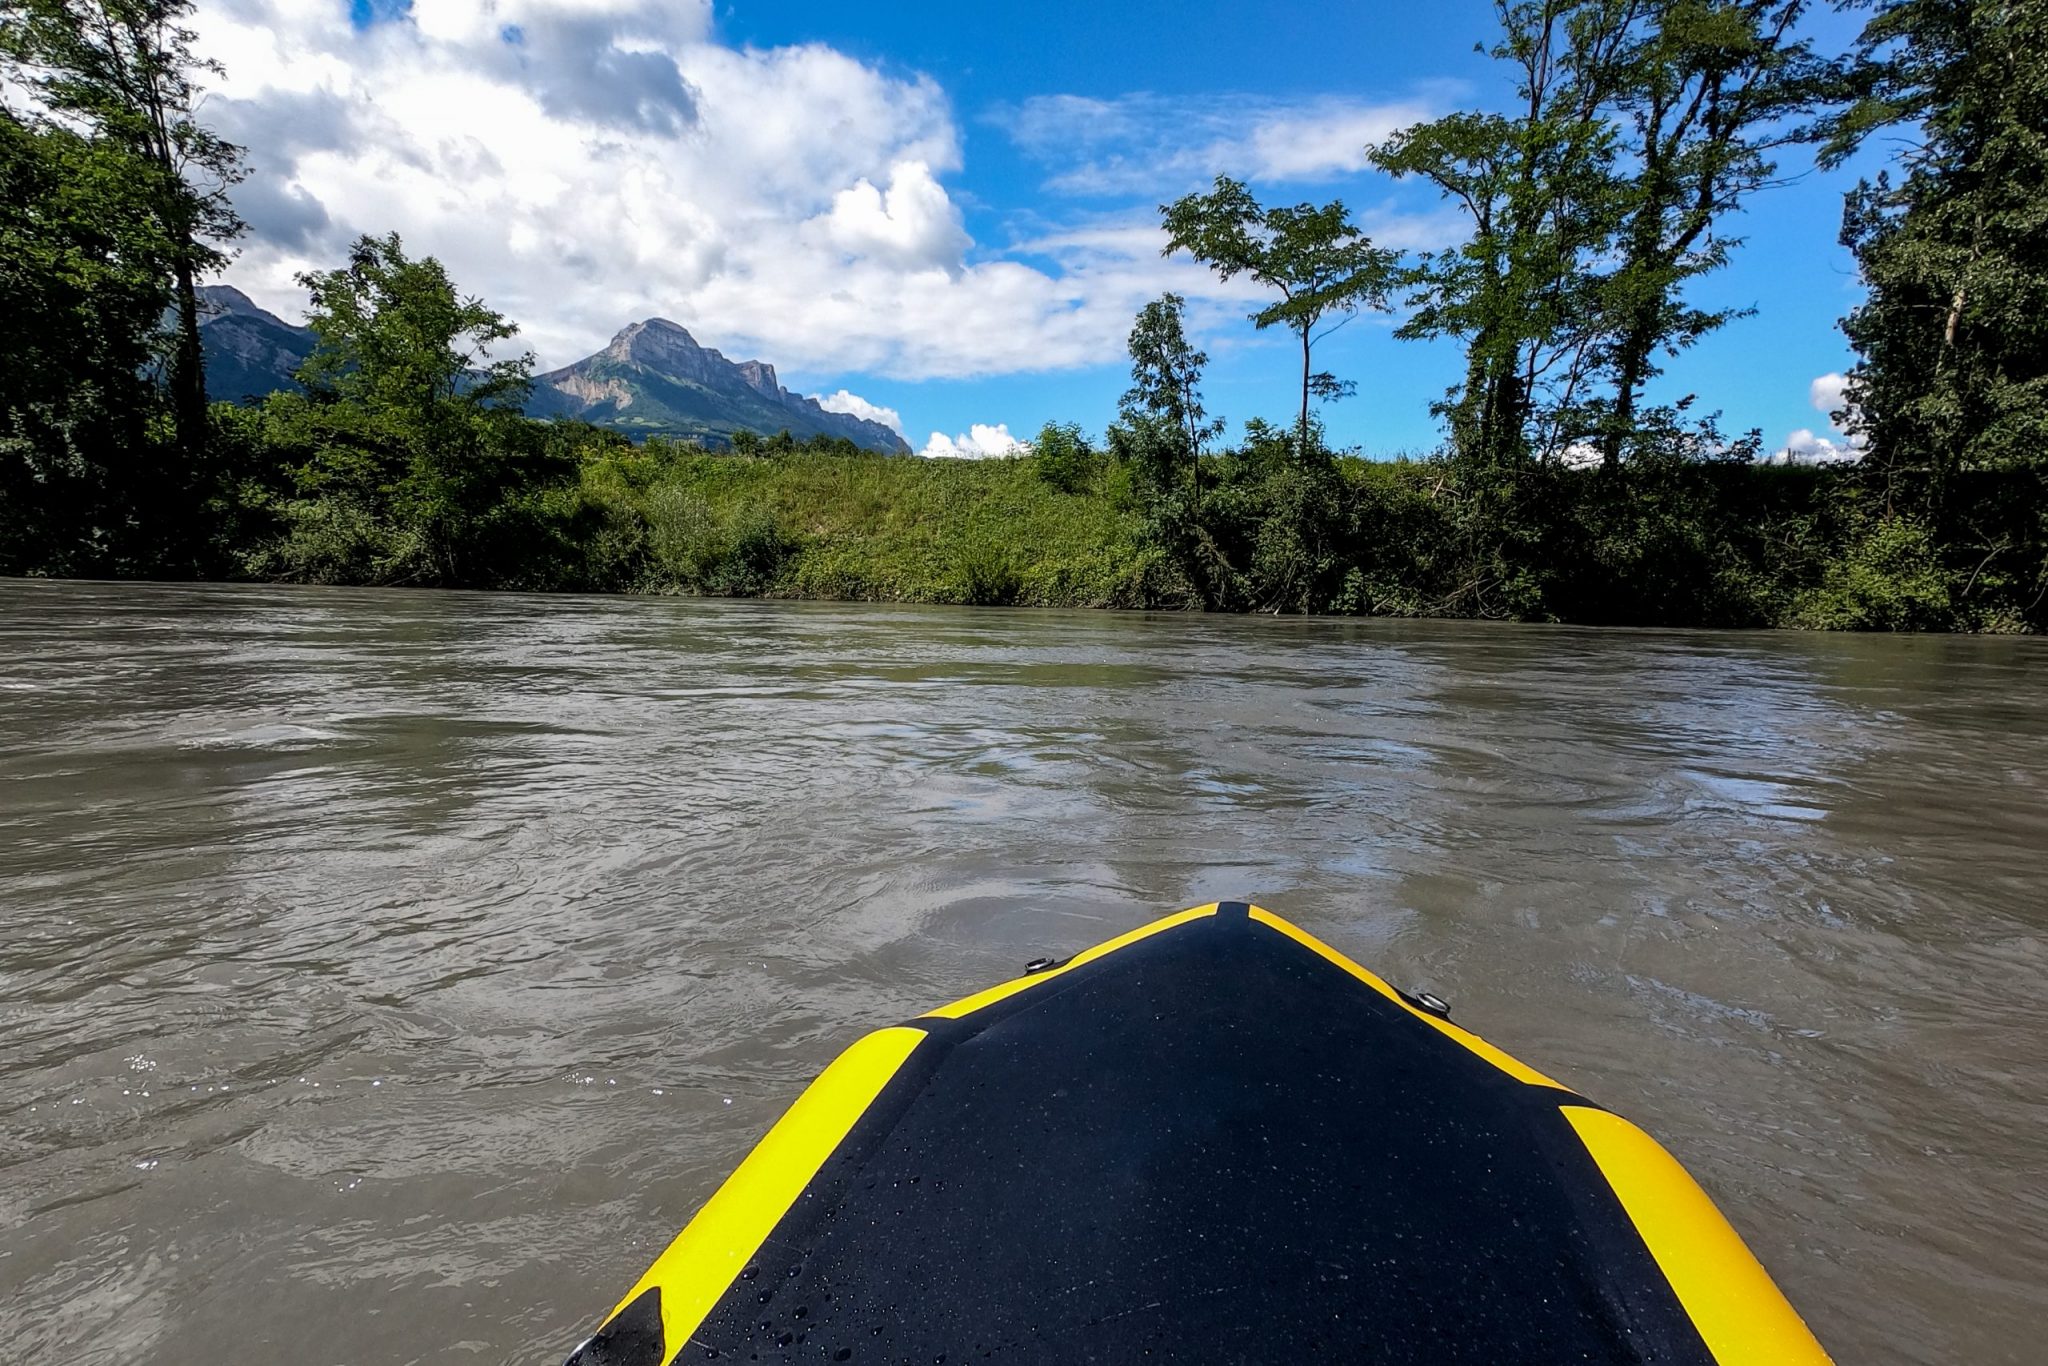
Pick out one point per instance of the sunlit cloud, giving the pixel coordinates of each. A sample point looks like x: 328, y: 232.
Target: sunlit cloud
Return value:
x: 856, y: 406
x: 1806, y: 447
x: 584, y: 163
x: 979, y: 443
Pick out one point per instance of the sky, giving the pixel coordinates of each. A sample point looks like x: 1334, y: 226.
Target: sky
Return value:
x: 942, y: 216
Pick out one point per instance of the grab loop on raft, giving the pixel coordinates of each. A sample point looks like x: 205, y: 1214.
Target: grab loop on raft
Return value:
x: 1433, y: 1003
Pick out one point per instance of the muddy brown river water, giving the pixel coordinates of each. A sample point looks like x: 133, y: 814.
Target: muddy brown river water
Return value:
x: 386, y: 976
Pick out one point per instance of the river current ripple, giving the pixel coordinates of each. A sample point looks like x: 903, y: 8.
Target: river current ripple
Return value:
x: 386, y: 976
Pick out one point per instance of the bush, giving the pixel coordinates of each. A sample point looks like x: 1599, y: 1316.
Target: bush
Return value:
x: 693, y: 548
x: 1063, y: 458
x: 1888, y: 579
x: 986, y: 574
x: 330, y: 541
x: 755, y: 551
x: 685, y: 542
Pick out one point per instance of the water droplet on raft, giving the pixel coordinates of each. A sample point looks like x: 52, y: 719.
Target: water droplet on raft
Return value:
x: 843, y: 1354
x: 750, y: 1273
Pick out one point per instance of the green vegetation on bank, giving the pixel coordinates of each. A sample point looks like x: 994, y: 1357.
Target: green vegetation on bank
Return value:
x: 1677, y: 541
x: 1562, y: 491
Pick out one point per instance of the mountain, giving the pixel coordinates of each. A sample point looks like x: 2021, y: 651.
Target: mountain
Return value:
x: 249, y: 352
x: 655, y: 380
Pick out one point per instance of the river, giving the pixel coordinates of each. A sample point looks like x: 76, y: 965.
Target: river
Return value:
x: 386, y: 976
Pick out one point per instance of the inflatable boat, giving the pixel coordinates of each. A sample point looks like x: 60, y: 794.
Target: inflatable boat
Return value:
x: 1212, y: 1140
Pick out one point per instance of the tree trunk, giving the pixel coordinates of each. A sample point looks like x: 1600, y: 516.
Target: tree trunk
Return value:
x: 1628, y: 383
x: 188, y: 364
x: 1962, y: 293
x: 1504, y: 413
x: 1303, y: 452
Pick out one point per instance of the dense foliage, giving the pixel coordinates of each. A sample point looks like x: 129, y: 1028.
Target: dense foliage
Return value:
x: 1637, y: 128
x: 1954, y: 335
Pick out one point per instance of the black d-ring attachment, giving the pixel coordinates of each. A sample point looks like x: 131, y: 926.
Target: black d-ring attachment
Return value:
x: 1434, y: 1004
x: 1038, y: 965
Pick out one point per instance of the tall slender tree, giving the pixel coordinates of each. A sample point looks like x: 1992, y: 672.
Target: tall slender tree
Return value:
x: 1166, y: 380
x: 126, y: 71
x: 1314, y: 257
x: 1539, y: 186
x: 1639, y: 125
x: 1953, y: 339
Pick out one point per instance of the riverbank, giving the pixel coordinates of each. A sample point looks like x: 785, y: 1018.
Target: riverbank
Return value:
x: 294, y: 493
x: 1663, y: 543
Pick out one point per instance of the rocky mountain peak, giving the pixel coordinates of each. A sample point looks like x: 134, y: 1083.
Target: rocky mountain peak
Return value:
x: 653, y: 379
x: 218, y: 301
x: 655, y: 342
x: 761, y: 375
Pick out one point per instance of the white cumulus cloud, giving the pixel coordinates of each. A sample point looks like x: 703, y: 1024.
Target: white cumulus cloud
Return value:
x: 856, y: 406
x: 585, y: 163
x: 978, y: 443
x: 1805, y: 447
x: 1826, y: 391
x: 1828, y: 394
x: 914, y: 224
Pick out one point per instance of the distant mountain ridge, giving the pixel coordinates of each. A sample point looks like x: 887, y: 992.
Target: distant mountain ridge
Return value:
x: 652, y: 380
x: 655, y: 379
x: 249, y: 352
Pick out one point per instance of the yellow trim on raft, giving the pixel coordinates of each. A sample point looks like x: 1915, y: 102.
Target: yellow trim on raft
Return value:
x: 1008, y: 989
x: 1739, y: 1311
x: 717, y: 1245
x: 1514, y: 1067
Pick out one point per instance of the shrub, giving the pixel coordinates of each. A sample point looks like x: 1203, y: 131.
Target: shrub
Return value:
x: 1062, y: 457
x: 985, y: 574
x: 1888, y: 579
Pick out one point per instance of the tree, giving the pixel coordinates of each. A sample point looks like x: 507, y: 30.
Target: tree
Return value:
x: 1638, y: 126
x: 394, y: 335
x: 82, y: 288
x: 1166, y: 380
x: 125, y: 71
x: 1319, y: 263
x: 1706, y: 93
x: 412, y: 424
x: 1953, y: 339
x: 1540, y: 188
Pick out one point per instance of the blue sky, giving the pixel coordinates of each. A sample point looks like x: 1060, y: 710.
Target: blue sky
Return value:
x: 935, y: 209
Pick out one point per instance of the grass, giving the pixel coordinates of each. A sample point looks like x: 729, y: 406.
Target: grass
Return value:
x: 872, y: 528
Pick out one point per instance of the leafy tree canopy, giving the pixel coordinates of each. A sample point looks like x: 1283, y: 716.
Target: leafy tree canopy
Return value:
x: 1314, y: 257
